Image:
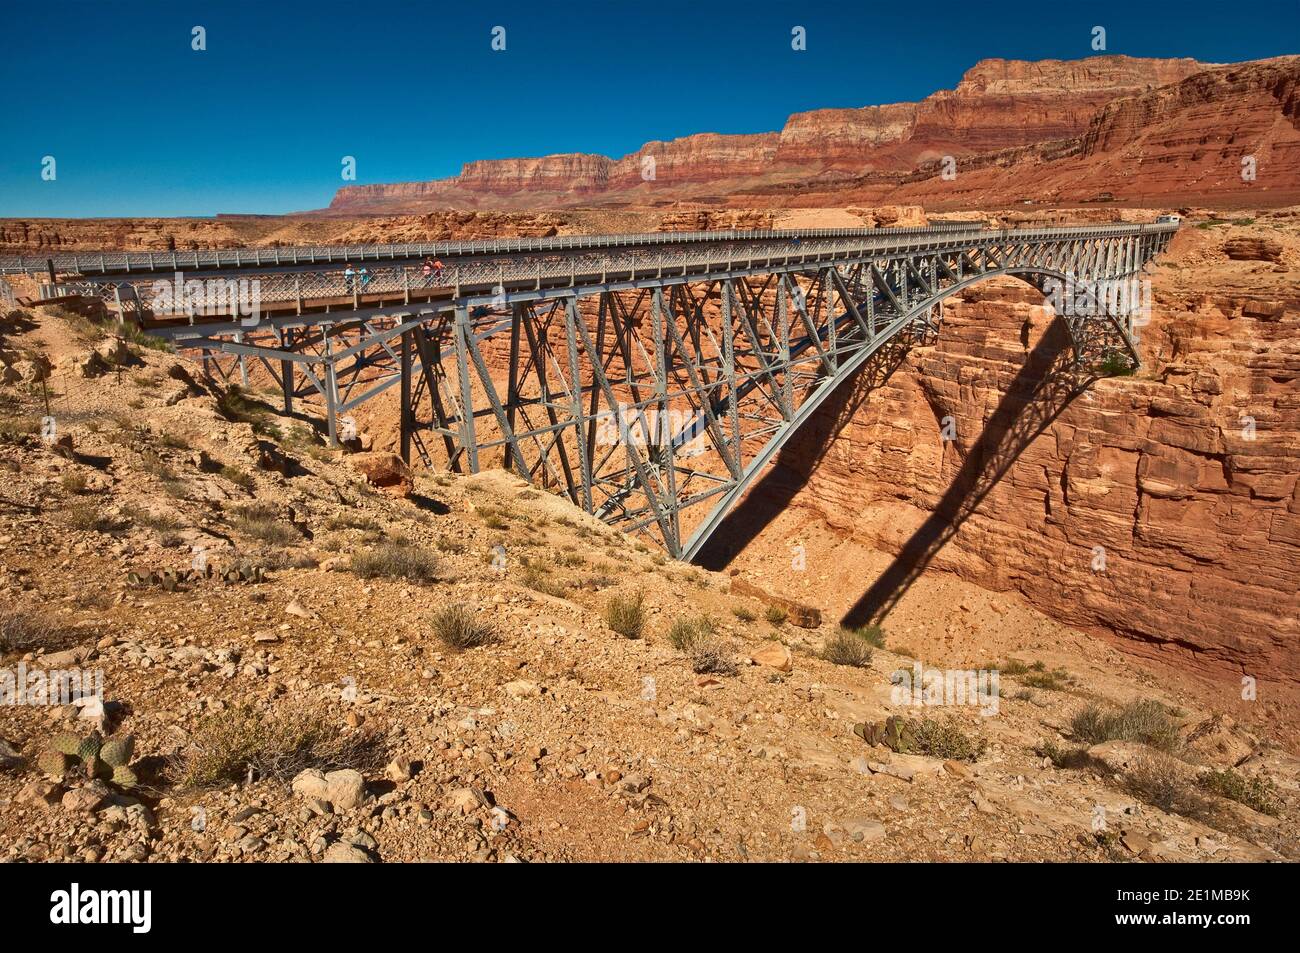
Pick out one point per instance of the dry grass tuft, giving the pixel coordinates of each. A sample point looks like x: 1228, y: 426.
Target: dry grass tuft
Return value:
x: 1145, y: 721
x: 458, y: 627
x: 227, y: 746
x: 846, y: 647
x: 397, y: 559
x: 625, y: 614
x: 22, y: 631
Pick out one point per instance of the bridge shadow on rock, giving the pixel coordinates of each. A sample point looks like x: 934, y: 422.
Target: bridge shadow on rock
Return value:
x: 1047, y: 383
x: 797, y: 461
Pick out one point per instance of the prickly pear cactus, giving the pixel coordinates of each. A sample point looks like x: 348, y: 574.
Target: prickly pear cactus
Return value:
x: 67, y: 744
x: 56, y: 764
x: 124, y: 777
x: 116, y: 752
x: 88, y: 750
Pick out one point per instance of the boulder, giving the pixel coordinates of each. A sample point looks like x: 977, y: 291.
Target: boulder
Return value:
x: 1253, y: 249
x: 385, y: 470
x: 773, y: 655
x: 113, y: 352
x: 341, y: 853
x: 342, y: 790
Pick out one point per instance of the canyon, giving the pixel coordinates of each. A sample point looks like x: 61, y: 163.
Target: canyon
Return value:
x: 1162, y: 509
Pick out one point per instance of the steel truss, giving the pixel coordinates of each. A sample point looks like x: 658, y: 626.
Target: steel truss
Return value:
x: 654, y: 402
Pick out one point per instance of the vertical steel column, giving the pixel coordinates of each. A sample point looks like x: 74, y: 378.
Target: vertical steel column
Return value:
x: 828, y: 299
x: 407, y: 421
x: 286, y: 371
x: 662, y: 366
x: 783, y: 338
x: 331, y: 389
x: 575, y: 393
x: 729, y: 367
x: 243, y: 367
x: 512, y: 379
x: 468, y: 441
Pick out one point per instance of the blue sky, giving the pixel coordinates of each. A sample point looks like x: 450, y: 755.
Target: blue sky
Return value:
x: 141, y: 124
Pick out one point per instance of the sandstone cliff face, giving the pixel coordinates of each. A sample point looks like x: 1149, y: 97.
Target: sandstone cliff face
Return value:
x: 1004, y: 103
x: 1185, y: 476
x: 999, y: 104
x: 707, y: 157
x: 843, y: 138
x: 577, y: 173
x: 1183, y: 143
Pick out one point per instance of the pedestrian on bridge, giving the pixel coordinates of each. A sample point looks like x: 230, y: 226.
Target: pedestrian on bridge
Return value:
x: 365, y: 277
x: 437, y: 269
x: 427, y: 271
x: 349, y: 277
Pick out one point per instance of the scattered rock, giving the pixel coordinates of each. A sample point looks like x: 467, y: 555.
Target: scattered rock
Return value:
x: 773, y: 655
x: 343, y: 790
x: 341, y: 853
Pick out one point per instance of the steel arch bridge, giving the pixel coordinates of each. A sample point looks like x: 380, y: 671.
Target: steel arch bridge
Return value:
x: 649, y: 378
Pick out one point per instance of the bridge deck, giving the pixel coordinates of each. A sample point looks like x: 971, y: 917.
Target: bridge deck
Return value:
x: 577, y: 266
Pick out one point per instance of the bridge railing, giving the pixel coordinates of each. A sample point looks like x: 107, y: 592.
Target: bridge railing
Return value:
x: 104, y: 262
x: 110, y: 262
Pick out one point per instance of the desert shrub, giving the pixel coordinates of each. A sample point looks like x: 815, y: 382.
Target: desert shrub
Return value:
x: 846, y: 647
x: 537, y: 579
x: 711, y: 656
x: 1035, y: 674
x: 270, y: 531
x: 945, y: 739
x: 446, y: 544
x: 257, y: 510
x: 236, y: 405
x: 158, y: 521
x: 22, y: 631
x: 744, y: 613
x: 82, y: 327
x: 625, y: 614
x: 775, y: 615
x: 241, y: 478
x: 1038, y: 676
x: 873, y: 635
x: 684, y: 633
x: 155, y: 465
x: 1145, y: 721
x: 1116, y: 364
x: 1256, y: 792
x: 1075, y: 758
x: 15, y: 427
x: 73, y: 482
x: 347, y: 519
x: 1162, y: 781
x: 303, y: 440
x: 396, y: 559
x: 226, y: 746
x: 87, y: 517
x: 458, y: 627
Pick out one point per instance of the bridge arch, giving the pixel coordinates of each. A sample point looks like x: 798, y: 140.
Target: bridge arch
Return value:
x: 1101, y: 323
